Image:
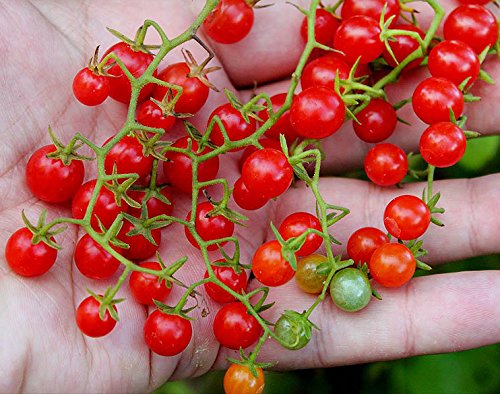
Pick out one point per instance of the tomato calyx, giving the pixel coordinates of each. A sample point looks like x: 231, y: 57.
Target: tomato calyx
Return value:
x: 107, y: 303
x: 418, y: 251
x: 200, y: 71
x: 249, y: 362
x: 97, y: 67
x: 119, y: 185
x: 137, y: 44
x: 42, y: 232
x: 66, y: 153
x: 248, y: 110
x: 145, y: 227
x: 255, y: 4
x: 177, y: 310
x: 220, y: 208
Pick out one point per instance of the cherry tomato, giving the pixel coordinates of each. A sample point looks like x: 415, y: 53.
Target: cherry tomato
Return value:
x: 443, y: 144
x: 228, y: 276
x: 246, y: 199
x: 298, y: 223
x: 229, y: 22
x: 363, y: 242
x: 292, y: 330
x: 325, y: 26
x: 307, y: 277
x: 105, y: 207
x: 269, y: 266
x: 350, y: 290
x: 371, y: 8
x: 235, y: 328
x: 407, y: 217
x: 472, y: 24
x: 139, y: 247
x: 377, y: 121
x: 194, y: 94
x: 283, y: 125
x: 49, y: 179
x: 236, y: 127
x: 403, y: 46
x: 265, y: 142
x: 128, y: 156
x: 136, y: 62
x: 359, y: 37
x: 89, y: 88
x: 238, y: 379
x: 93, y: 261
x: 154, y: 206
x: 179, y: 167
x: 26, y: 259
x: 149, y: 114
x: 209, y: 227
x: 147, y: 287
x: 434, y: 97
x: 167, y: 335
x: 267, y: 173
x: 317, y: 112
x: 323, y: 71
x: 392, y: 265
x: 386, y: 164
x: 89, y: 321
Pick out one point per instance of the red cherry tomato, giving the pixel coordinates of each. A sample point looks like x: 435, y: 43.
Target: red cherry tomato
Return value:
x: 146, y: 287
x: 238, y: 379
x: 229, y: 22
x: 403, y: 46
x: 295, y: 225
x: 392, y: 265
x: 283, y: 125
x: 128, y: 156
x: 443, y: 144
x: 269, y: 266
x: 363, y: 242
x: 89, y: 321
x: 167, y: 335
x: 26, y: 259
x: 236, y: 127
x: 371, y: 8
x: 386, y: 164
x: 407, y: 217
x: 228, y: 276
x: 139, y: 247
x: 325, y: 26
x: 154, y: 206
x: 179, y: 167
x: 89, y: 88
x: 149, y: 114
x: 246, y: 199
x: 49, y: 179
x: 377, y: 121
x: 235, y: 328
x: 267, y: 173
x: 93, y: 261
x: 323, y: 71
x: 434, y: 97
x: 317, y: 112
x: 209, y: 227
x: 265, y: 142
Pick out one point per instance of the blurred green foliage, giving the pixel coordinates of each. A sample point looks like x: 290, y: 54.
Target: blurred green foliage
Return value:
x: 474, y: 371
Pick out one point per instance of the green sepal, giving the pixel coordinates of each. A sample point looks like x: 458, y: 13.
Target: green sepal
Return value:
x: 40, y: 232
x: 66, y: 153
x: 423, y: 266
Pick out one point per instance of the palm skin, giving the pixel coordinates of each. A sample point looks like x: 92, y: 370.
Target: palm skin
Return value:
x: 41, y: 348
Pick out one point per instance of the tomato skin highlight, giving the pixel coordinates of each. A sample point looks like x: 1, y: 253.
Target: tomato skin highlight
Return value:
x: 89, y: 321
x: 363, y: 242
x: 146, y: 287
x: 167, y: 335
x: 371, y: 8
x: 265, y: 142
x: 295, y: 225
x: 228, y: 276
x: 238, y: 379
x: 386, y: 164
x: 269, y: 266
x: 322, y: 72
x: 378, y: 121
x: 235, y: 125
x: 93, y: 261
x: 234, y: 327
x: 49, y: 179
x: 407, y: 217
x: 392, y: 265
x: 90, y: 89
x: 245, y: 198
x: 443, y: 144
x: 229, y: 22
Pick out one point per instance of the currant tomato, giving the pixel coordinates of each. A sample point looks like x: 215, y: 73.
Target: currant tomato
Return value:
x: 323, y: 71
x: 235, y: 328
x: 236, y: 127
x: 434, y: 97
x: 228, y: 276
x: 105, y: 207
x: 472, y: 24
x: 146, y: 287
x: 363, y: 242
x: 307, y: 276
x: 292, y: 330
x: 325, y: 26
x: 350, y: 290
x: 167, y: 335
x: 93, y: 261
x: 267, y: 173
x: 246, y: 199
x: 179, y: 167
x: 371, y: 8
x: 26, y: 259
x: 89, y: 322
x: 403, y: 46
x: 229, y: 22
x: 359, y: 37
x: 265, y: 142
x: 154, y: 206
x: 49, y: 179
x: 194, y: 91
x: 269, y: 266
x: 443, y: 144
x: 283, y: 125
x: 407, y: 217
x: 89, y: 88
x: 386, y: 164
x: 139, y: 247
x: 377, y: 121
x: 136, y: 62
x: 149, y: 114
x: 298, y: 223
x: 238, y: 379
x: 128, y: 157
x: 317, y: 112
x: 392, y: 265
x: 209, y: 227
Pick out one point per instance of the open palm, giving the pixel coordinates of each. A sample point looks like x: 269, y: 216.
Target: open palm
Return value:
x: 41, y: 349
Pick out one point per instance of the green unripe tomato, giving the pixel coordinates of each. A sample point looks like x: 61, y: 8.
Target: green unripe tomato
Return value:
x: 293, y: 330
x: 350, y: 290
